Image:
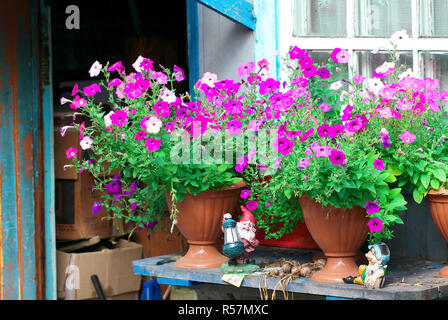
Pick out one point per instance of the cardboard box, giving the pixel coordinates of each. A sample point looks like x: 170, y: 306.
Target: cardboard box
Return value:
x: 75, y: 196
x: 112, y: 266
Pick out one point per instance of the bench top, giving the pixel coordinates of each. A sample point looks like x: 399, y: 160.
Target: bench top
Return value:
x: 405, y: 279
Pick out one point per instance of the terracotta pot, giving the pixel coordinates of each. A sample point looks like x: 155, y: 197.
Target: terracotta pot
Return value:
x: 438, y: 205
x: 199, y: 221
x: 339, y: 233
x: 300, y: 237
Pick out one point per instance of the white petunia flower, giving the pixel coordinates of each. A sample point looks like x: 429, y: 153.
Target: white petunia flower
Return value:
x: 399, y: 36
x: 86, y: 143
x: 153, y: 125
x: 95, y: 69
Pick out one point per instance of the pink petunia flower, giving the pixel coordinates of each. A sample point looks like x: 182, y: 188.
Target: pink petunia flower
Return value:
x: 179, y: 74
x: 233, y: 127
x: 246, y: 69
x: 303, y: 163
x: 119, y: 118
x: 71, y: 153
x: 141, y: 135
x: 407, y: 137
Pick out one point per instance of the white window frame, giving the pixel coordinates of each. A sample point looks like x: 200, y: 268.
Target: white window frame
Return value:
x: 415, y: 44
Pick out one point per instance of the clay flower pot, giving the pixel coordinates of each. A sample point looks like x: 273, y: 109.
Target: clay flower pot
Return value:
x: 339, y: 233
x: 438, y: 205
x: 199, y: 221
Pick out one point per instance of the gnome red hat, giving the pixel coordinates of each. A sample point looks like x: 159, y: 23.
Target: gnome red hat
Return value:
x: 247, y: 215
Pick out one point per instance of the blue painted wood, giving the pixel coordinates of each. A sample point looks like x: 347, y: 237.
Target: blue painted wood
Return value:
x: 266, y: 34
x: 177, y: 282
x: 48, y: 147
x: 338, y: 298
x: 193, y: 44
x: 240, y: 11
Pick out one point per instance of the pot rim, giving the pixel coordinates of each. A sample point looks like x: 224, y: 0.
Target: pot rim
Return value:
x: 441, y: 192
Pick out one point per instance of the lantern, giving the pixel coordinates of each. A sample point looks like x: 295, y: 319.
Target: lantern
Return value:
x: 233, y: 246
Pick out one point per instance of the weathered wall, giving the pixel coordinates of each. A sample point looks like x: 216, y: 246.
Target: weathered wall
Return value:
x: 19, y: 125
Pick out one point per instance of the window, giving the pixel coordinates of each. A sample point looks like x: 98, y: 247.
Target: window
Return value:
x: 364, y: 27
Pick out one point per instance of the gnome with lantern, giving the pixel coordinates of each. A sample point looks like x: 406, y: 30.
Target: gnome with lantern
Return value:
x: 239, y: 241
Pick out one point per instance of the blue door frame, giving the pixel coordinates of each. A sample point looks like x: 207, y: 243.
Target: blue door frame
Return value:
x: 261, y: 17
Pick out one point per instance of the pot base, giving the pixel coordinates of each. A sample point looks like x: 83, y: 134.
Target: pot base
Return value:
x: 443, y: 273
x: 201, y: 257
x: 337, y: 268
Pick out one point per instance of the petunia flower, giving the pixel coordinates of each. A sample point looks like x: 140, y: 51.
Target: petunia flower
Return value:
x: 179, y: 74
x: 233, y: 127
x: 71, y: 153
x: 95, y: 69
x: 86, y: 143
x: 407, y: 137
x: 153, y: 144
x: 245, y: 193
x: 379, y: 164
x: 336, y: 157
x: 252, y: 205
x: 246, y: 69
x: 96, y: 207
x: 141, y: 135
x: 151, y: 124
x: 323, y: 73
x: 119, y: 118
x: 375, y: 225
x: 324, y: 107
x: 303, y: 163
x: 372, y: 207
x: 92, y: 90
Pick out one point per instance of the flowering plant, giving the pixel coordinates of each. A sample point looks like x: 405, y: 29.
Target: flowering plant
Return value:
x: 361, y: 140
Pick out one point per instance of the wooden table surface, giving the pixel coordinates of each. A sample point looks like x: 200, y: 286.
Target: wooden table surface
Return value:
x: 406, y: 279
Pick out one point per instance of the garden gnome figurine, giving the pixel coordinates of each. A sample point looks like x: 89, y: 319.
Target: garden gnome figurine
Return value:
x: 246, y: 230
x: 373, y: 275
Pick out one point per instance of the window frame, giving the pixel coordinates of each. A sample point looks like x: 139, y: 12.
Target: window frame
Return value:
x: 416, y: 43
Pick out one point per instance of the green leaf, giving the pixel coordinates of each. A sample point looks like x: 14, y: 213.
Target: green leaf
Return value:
x: 435, y: 184
x: 425, y: 179
x: 439, y: 174
x: 418, y: 197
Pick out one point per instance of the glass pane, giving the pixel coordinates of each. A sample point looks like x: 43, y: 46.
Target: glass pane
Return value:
x: 368, y: 62
x: 322, y: 57
x: 433, y: 21
x: 435, y: 65
x: 381, y: 18
x: 320, y: 18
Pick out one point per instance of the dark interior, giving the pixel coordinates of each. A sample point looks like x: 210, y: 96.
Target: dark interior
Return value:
x: 112, y: 31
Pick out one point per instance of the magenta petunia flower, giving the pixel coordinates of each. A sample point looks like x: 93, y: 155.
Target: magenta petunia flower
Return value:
x: 141, y: 135
x: 119, y: 118
x: 334, y: 55
x: 153, y: 144
x: 92, y: 90
x: 252, y: 205
x: 162, y: 109
x: 96, y: 207
x: 372, y: 207
x: 160, y: 77
x: 179, y: 74
x: 117, y: 66
x: 114, y: 82
x: 284, y: 145
x: 335, y: 130
x: 375, y: 225
x: 268, y: 86
x: 245, y: 193
x: 241, y: 163
x: 309, y: 71
x: 297, y: 53
x: 78, y: 102
x: 71, y: 153
x: 233, y: 127
x: 407, y: 137
x: 323, y: 73
x: 306, y: 134
x: 133, y: 206
x: 323, y: 130
x: 75, y: 89
x: 336, y: 157
x: 379, y: 164
x: 358, y: 79
x: 322, y: 151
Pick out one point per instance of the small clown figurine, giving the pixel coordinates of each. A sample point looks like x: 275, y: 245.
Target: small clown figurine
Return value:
x: 246, y: 230
x: 373, y: 275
